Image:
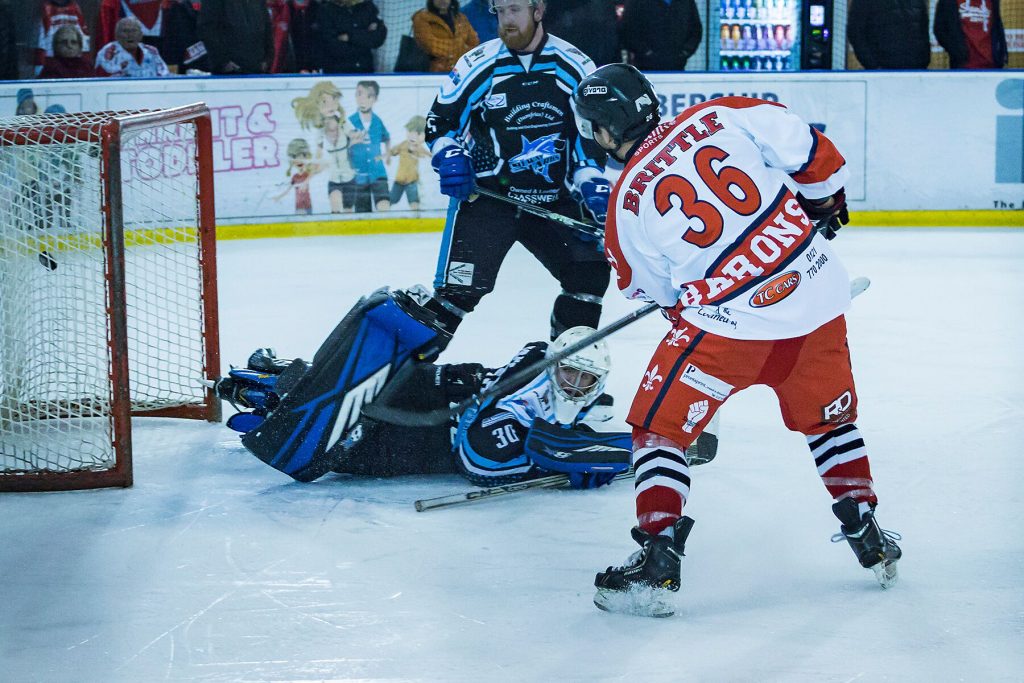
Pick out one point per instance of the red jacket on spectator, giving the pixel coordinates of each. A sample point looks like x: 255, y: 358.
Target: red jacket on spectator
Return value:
x: 67, y: 67
x: 148, y: 12
x: 52, y: 17
x: 280, y: 24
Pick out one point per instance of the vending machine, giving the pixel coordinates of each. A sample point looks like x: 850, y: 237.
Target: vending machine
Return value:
x: 816, y: 44
x: 775, y: 35
x: 754, y: 35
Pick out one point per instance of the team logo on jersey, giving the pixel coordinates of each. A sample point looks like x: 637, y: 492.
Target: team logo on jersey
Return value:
x: 776, y: 289
x: 696, y: 413
x: 537, y: 155
x: 498, y: 101
x: 473, y: 56
x: 650, y: 377
x: 455, y: 77
x: 676, y: 336
x: 838, y: 411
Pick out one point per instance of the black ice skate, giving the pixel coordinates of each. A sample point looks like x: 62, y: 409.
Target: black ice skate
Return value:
x: 874, y: 547
x: 646, y: 584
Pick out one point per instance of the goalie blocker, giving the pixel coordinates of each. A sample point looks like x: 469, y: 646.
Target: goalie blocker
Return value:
x: 305, y: 420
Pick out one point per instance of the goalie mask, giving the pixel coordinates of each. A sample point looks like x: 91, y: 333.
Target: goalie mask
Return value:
x: 578, y: 380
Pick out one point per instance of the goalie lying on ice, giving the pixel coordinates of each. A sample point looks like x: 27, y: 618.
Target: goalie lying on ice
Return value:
x: 305, y: 419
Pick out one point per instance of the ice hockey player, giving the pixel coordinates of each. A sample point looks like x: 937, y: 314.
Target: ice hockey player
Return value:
x: 304, y: 419
x: 714, y: 219
x: 503, y: 121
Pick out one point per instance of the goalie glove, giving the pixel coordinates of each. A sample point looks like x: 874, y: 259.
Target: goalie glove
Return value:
x: 829, y: 214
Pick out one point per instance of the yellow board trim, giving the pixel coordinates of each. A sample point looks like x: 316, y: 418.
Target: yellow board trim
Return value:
x: 363, y: 226
x: 938, y: 219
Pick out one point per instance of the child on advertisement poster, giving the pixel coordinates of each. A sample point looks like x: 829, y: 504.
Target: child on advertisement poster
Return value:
x: 300, y: 159
x: 409, y: 152
x: 371, y: 183
x: 321, y: 110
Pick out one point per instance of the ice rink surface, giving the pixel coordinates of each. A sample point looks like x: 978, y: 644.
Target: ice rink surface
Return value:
x: 215, y: 567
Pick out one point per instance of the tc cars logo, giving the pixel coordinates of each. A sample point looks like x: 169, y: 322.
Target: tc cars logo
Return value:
x: 775, y: 290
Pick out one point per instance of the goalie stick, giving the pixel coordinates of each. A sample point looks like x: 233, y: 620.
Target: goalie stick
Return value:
x: 550, y: 482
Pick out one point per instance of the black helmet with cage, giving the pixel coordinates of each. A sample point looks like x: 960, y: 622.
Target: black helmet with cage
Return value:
x: 618, y: 98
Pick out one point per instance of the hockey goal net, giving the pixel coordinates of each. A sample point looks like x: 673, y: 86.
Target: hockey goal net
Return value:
x: 108, y: 304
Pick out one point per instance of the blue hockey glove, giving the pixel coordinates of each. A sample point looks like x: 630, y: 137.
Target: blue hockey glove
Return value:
x: 594, y: 195
x: 590, y: 480
x: 455, y: 167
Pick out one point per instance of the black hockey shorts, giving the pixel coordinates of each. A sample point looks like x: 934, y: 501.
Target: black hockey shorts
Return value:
x: 478, y: 235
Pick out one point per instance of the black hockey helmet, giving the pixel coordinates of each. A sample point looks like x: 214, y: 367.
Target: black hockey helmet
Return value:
x: 619, y: 98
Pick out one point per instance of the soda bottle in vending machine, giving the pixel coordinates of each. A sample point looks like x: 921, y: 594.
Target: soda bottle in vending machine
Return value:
x: 726, y: 42
x: 747, y: 40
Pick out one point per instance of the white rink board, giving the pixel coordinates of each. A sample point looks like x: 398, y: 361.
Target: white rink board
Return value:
x: 913, y: 140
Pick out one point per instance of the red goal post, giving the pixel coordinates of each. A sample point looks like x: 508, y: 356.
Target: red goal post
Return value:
x: 108, y: 294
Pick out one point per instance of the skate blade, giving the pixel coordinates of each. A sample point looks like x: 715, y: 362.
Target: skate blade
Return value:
x: 640, y: 601
x: 886, y: 573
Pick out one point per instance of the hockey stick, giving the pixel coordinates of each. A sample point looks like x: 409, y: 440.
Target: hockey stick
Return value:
x: 434, y: 418
x: 550, y: 482
x: 591, y: 229
x: 437, y: 417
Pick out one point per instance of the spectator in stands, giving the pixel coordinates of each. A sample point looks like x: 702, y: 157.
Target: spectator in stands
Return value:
x: 482, y: 19
x: 237, y: 35
x: 53, y: 15
x: 67, y: 60
x: 302, y: 34
x: 128, y: 56
x: 590, y: 25
x: 179, y: 37
x: 444, y: 33
x: 660, y: 35
x: 971, y: 31
x: 282, y: 60
x: 890, y: 34
x: 345, y: 33
x: 26, y: 102
x: 147, y: 12
x: 8, y: 45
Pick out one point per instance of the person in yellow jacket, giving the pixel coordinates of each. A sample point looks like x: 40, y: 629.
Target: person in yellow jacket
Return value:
x: 444, y: 33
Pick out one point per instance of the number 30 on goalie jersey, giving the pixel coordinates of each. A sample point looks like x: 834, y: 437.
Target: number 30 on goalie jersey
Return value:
x: 706, y: 213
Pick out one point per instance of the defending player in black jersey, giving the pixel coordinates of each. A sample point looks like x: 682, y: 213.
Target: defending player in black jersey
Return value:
x: 503, y: 121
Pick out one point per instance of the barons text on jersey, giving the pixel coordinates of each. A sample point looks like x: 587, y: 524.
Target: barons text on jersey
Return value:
x: 514, y: 112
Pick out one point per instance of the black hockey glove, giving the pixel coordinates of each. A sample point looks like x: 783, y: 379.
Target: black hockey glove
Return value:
x: 829, y: 214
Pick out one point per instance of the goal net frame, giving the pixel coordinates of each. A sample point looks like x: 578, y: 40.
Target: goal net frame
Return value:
x: 110, y: 130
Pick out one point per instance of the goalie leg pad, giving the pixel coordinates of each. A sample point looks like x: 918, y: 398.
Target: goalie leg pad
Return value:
x: 320, y: 413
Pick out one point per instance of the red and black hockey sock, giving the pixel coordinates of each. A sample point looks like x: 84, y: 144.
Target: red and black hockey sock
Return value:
x: 842, y: 462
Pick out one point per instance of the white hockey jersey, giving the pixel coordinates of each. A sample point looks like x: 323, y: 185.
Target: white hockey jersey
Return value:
x: 706, y: 213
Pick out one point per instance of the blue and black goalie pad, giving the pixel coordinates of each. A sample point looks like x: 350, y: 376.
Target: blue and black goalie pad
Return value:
x: 558, y: 449
x: 319, y: 416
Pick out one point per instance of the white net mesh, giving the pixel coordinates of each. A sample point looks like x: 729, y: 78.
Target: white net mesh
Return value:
x: 397, y: 16
x: 55, y: 360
